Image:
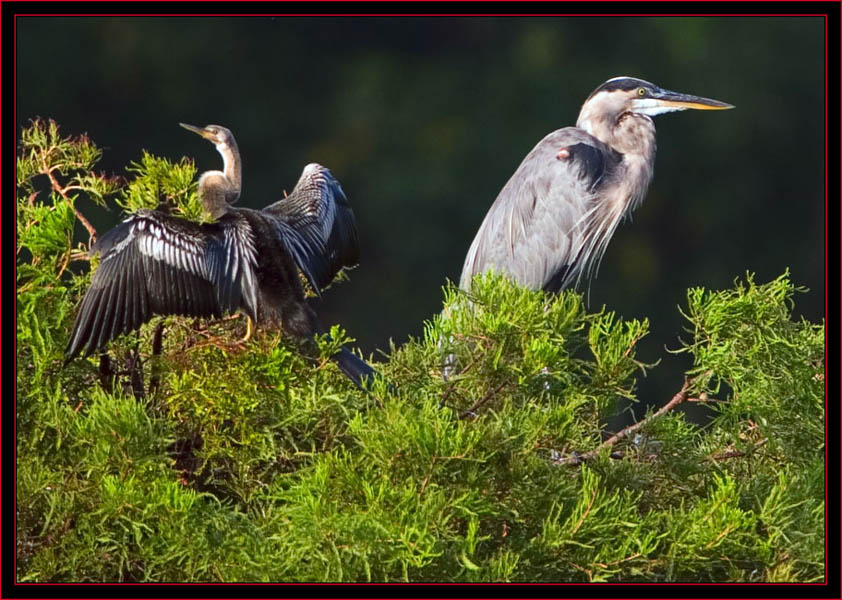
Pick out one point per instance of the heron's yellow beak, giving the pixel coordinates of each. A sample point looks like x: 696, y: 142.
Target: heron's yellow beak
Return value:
x: 678, y: 101
x: 707, y: 105
x: 664, y: 101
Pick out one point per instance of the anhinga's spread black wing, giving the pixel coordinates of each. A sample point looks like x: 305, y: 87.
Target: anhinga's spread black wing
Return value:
x: 156, y: 264
x: 318, y: 226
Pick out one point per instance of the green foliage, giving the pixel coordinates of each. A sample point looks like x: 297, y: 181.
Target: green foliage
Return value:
x: 44, y: 229
x: 736, y: 330
x: 45, y: 152
x: 225, y: 461
x: 158, y: 182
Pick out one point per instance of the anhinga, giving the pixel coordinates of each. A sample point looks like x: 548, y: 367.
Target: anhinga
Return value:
x: 157, y: 264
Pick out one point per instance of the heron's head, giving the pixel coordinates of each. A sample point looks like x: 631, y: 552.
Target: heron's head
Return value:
x: 218, y: 135
x: 622, y: 95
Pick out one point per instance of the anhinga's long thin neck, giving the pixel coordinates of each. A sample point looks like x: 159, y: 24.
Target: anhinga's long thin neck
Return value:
x: 219, y: 189
x: 215, y: 193
x: 232, y: 167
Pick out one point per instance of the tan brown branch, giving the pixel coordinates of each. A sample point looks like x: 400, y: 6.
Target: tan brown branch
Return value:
x: 483, y: 400
x: 64, y: 263
x: 584, y: 516
x: 453, y: 385
x: 680, y: 397
x: 720, y: 536
x: 737, y: 453
x: 632, y: 344
x: 62, y: 191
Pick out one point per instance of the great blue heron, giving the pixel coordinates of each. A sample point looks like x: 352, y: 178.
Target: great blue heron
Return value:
x: 552, y: 221
x: 157, y: 264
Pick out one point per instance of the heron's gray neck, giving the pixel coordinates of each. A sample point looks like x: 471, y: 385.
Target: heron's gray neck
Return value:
x: 633, y: 136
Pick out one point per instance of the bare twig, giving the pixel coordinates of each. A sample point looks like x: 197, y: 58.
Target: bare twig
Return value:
x: 134, y: 367
x: 720, y: 536
x: 106, y: 372
x: 736, y: 453
x: 427, y: 478
x: 633, y: 342
x: 453, y: 385
x: 62, y: 191
x: 584, y: 516
x: 483, y: 400
x: 64, y: 263
x: 680, y: 397
x: 156, y: 351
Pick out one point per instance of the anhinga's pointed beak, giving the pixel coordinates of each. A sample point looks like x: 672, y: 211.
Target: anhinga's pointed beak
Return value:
x: 198, y: 130
x: 677, y: 101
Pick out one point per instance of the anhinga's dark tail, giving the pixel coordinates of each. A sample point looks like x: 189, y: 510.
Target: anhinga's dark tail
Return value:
x: 355, y: 368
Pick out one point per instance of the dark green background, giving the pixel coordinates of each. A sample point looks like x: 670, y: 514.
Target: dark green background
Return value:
x: 424, y: 119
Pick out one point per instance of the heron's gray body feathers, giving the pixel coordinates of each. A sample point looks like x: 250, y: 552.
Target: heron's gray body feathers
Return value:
x: 539, y: 222
x: 552, y: 221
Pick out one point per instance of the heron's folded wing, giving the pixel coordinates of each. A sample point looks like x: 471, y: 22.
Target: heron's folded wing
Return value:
x: 153, y: 263
x: 533, y: 230
x: 318, y: 226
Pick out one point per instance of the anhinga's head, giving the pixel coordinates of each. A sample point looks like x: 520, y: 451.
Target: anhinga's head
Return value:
x: 218, y: 189
x: 218, y: 135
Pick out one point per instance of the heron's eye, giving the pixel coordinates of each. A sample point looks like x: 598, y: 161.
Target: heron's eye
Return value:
x: 641, y: 91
